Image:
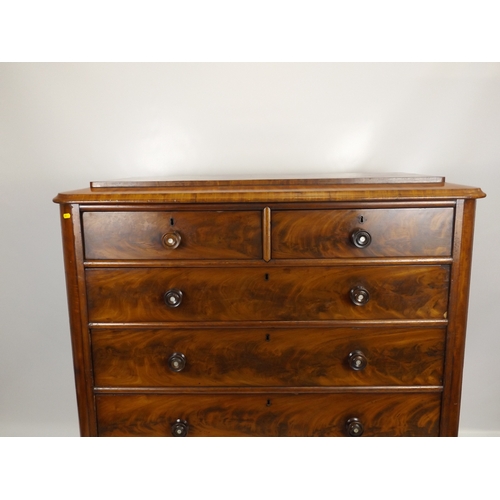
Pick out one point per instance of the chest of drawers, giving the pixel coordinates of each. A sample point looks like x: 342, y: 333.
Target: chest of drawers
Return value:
x: 292, y: 307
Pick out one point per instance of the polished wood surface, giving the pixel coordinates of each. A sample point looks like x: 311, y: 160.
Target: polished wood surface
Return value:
x: 75, y: 285
x: 281, y: 293
x: 338, y: 179
x: 459, y: 301
x: 268, y: 356
x: 317, y: 234
x: 203, y: 235
x: 396, y: 188
x: 411, y: 414
x: 253, y: 308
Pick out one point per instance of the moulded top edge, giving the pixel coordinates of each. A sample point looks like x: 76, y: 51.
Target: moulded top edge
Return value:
x: 275, y: 194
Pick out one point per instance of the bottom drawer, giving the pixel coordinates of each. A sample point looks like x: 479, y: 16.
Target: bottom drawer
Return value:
x: 368, y: 414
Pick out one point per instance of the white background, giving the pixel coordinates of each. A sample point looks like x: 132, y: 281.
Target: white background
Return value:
x: 65, y: 124
x: 62, y: 125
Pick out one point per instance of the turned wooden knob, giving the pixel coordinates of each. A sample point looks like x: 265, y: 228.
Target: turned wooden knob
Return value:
x: 361, y: 238
x: 354, y: 427
x: 171, y: 240
x: 180, y: 428
x: 173, y: 297
x: 357, y: 360
x: 177, y: 362
x: 359, y: 296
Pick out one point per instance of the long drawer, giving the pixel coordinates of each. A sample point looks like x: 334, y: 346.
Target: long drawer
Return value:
x: 272, y: 414
x: 264, y: 293
x: 268, y: 357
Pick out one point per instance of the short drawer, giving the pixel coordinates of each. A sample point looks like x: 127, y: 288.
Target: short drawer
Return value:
x: 393, y: 232
x: 265, y: 293
x: 366, y: 414
x: 268, y: 357
x: 173, y: 235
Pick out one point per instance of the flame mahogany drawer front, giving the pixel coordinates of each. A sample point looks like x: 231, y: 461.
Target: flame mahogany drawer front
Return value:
x: 278, y: 293
x: 268, y: 357
x: 270, y: 414
x: 309, y: 307
x: 173, y: 235
x: 404, y: 232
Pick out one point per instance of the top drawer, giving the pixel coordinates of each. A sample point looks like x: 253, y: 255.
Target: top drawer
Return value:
x: 173, y: 235
x: 392, y: 232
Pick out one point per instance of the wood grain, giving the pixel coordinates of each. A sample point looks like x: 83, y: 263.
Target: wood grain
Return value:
x: 204, y: 235
x: 459, y: 301
x: 266, y: 234
x: 402, y: 232
x: 292, y: 191
x: 266, y: 320
x: 268, y: 357
x: 75, y: 286
x: 411, y: 414
x: 280, y: 293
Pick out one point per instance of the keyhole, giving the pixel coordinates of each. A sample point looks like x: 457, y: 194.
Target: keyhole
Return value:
x: 361, y: 218
x: 268, y: 337
x: 266, y: 277
x: 171, y: 221
x: 268, y: 402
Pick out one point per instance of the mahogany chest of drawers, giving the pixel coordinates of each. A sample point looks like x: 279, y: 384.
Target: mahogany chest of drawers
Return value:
x: 306, y: 307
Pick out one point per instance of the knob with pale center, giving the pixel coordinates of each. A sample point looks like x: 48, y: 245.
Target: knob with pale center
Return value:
x: 171, y: 240
x: 173, y: 297
x: 357, y: 360
x: 359, y: 296
x: 354, y: 427
x: 180, y: 428
x: 361, y: 238
x: 177, y: 362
